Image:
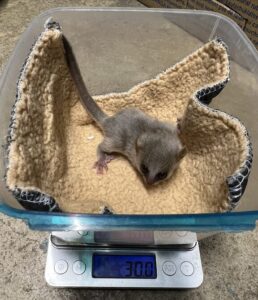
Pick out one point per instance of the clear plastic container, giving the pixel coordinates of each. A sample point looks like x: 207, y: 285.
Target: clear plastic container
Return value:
x: 118, y: 48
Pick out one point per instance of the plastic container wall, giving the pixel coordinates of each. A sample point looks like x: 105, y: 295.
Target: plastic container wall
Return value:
x: 118, y: 48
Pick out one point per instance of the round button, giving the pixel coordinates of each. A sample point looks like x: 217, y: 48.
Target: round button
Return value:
x: 61, y: 266
x: 166, y: 234
x: 181, y: 233
x: 169, y: 268
x: 79, y: 267
x: 187, y: 268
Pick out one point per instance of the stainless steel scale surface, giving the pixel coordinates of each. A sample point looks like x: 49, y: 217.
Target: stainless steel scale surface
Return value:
x: 129, y: 259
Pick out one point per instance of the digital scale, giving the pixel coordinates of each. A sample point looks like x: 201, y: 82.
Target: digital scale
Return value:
x: 134, y: 251
x: 129, y: 259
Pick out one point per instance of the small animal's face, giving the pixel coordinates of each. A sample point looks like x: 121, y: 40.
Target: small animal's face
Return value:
x: 158, y: 158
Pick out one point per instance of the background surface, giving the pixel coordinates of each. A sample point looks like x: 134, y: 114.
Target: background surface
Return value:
x: 230, y: 261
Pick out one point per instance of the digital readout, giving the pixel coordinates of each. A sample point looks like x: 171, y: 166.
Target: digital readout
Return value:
x: 124, y: 266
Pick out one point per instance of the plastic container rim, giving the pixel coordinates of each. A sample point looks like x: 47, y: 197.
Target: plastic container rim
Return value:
x: 229, y: 221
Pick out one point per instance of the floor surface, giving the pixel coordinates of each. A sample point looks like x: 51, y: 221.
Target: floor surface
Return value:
x: 230, y: 261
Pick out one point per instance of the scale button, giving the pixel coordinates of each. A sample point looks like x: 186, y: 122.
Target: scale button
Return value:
x: 187, y: 268
x: 61, y: 266
x: 181, y: 233
x: 79, y: 267
x: 169, y: 268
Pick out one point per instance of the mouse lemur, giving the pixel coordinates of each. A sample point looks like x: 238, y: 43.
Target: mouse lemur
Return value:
x: 152, y: 147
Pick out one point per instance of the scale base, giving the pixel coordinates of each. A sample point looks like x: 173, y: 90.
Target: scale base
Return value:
x: 178, y: 266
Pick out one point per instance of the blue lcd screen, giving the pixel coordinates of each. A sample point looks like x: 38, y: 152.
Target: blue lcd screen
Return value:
x: 124, y: 266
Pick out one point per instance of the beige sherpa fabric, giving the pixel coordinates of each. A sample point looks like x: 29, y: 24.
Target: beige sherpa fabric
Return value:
x: 54, y: 140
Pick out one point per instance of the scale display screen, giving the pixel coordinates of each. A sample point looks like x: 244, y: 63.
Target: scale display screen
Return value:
x: 124, y: 266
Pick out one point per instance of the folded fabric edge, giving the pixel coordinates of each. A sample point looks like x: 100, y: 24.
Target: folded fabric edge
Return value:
x: 34, y: 200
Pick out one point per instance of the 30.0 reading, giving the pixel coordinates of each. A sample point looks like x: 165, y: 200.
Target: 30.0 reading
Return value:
x: 139, y: 269
x: 140, y: 266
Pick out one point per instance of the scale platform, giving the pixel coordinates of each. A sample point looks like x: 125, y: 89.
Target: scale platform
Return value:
x: 131, y: 259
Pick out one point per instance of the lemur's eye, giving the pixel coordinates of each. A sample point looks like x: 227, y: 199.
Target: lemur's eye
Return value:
x: 161, y: 175
x: 144, y: 169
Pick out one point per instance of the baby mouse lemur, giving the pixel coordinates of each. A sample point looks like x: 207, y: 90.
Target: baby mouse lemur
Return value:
x: 152, y: 147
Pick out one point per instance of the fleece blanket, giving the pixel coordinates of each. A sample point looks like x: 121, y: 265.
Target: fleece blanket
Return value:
x: 52, y: 140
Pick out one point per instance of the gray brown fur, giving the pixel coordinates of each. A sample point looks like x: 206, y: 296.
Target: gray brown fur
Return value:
x: 153, y: 147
